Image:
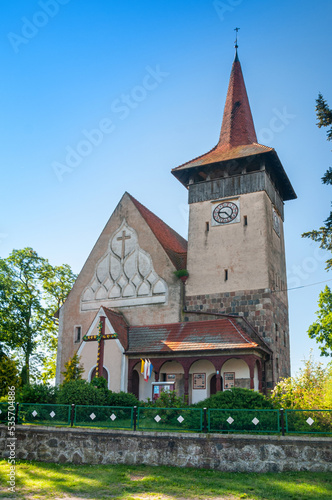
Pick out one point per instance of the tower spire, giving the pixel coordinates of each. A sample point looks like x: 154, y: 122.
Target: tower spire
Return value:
x: 237, y: 127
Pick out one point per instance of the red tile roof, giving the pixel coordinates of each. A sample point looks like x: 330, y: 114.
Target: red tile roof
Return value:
x: 221, y: 334
x: 174, y: 245
x: 218, y: 154
x: 237, y: 126
x: 119, y: 324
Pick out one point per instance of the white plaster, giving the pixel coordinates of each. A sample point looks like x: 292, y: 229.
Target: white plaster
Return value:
x: 201, y: 366
x: 145, y: 388
x: 114, y: 358
x: 59, y: 350
x: 239, y: 366
x: 256, y: 381
x: 120, y: 275
x: 124, y: 372
x: 123, y: 302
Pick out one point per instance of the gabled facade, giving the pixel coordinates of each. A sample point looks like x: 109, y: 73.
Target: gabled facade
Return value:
x: 226, y: 324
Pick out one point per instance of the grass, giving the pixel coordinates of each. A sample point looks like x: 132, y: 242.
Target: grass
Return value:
x: 37, y: 480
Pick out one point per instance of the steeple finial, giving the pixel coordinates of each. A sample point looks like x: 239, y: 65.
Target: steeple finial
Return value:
x: 236, y: 29
x: 236, y: 45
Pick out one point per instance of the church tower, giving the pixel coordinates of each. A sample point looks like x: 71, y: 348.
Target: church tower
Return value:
x: 236, y: 249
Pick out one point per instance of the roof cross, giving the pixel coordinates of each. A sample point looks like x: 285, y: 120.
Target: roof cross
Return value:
x: 123, y: 238
x: 236, y: 29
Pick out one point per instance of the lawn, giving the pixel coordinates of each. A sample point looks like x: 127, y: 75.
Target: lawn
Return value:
x: 36, y: 480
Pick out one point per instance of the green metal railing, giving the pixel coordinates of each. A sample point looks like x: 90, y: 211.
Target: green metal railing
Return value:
x: 308, y: 421
x: 114, y: 417
x: 43, y: 414
x: 4, y: 413
x: 257, y: 421
x: 172, y: 419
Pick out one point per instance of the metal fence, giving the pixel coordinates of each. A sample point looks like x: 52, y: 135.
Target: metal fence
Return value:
x: 173, y: 419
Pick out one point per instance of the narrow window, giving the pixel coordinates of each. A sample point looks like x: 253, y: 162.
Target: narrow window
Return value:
x: 226, y: 274
x: 277, y: 366
x: 285, y: 339
x: 277, y: 332
x: 207, y: 226
x: 245, y: 220
x: 77, y: 334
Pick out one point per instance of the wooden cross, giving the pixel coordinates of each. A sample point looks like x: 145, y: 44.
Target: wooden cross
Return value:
x: 123, y: 238
x: 100, y: 338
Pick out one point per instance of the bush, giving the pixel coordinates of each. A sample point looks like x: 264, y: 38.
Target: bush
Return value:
x: 38, y: 393
x: 121, y: 399
x: 236, y: 398
x: 80, y: 392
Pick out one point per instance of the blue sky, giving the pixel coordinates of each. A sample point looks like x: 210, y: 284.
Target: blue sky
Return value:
x: 75, y: 69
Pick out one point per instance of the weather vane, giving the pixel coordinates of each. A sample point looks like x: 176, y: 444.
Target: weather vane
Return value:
x: 236, y: 29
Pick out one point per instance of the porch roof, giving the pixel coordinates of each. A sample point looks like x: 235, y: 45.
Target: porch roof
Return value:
x: 220, y: 334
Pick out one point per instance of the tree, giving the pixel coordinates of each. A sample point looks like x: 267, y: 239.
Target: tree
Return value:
x: 311, y: 388
x: 321, y: 329
x: 9, y: 375
x: 323, y: 235
x: 73, y: 369
x: 57, y: 283
x: 31, y: 290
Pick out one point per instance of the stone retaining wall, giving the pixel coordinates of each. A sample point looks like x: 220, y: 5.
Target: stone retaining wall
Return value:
x: 232, y: 453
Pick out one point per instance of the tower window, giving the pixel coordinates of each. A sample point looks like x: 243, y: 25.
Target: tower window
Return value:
x: 78, y: 331
x: 207, y: 226
x: 245, y: 220
x: 277, y: 331
x: 277, y: 366
x: 285, y: 339
x: 226, y: 274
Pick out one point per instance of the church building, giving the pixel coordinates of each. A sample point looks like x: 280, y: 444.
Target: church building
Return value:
x: 151, y: 311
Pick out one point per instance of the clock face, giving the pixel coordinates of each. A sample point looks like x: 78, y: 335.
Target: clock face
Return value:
x: 225, y: 212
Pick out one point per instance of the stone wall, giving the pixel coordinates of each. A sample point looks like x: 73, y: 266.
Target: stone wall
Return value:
x: 232, y: 453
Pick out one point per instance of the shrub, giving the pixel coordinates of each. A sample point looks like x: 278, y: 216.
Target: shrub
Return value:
x: 80, y: 392
x: 121, y: 399
x: 38, y: 393
x: 236, y: 398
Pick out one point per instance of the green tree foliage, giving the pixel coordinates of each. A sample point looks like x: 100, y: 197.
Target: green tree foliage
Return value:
x: 9, y: 375
x: 311, y: 388
x: 323, y: 235
x: 31, y: 291
x: 73, y: 369
x: 321, y: 329
x: 38, y: 393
